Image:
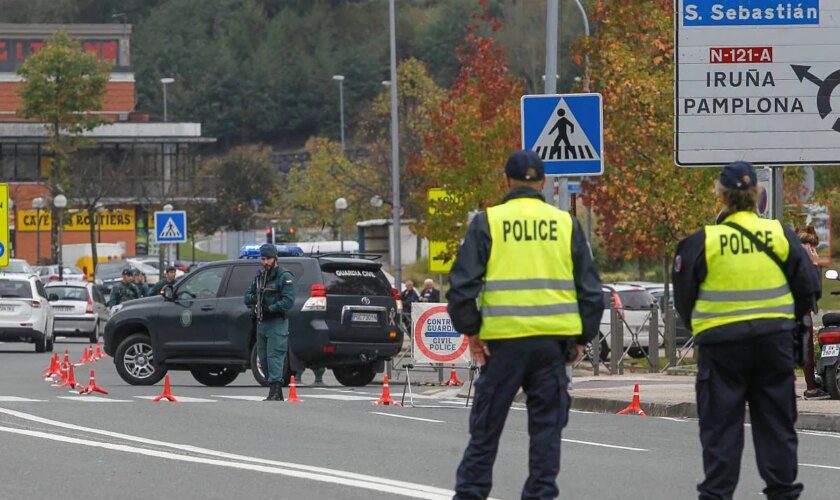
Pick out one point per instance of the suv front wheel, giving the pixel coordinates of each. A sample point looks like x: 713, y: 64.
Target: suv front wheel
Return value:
x: 355, y: 375
x: 135, y: 361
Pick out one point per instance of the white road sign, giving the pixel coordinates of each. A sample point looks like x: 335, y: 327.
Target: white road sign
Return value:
x: 756, y: 81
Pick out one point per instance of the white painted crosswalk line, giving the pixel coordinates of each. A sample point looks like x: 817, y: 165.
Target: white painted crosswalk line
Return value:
x: 338, y: 397
x: 182, y: 399
x: 95, y: 399
x: 15, y: 399
x: 240, y: 397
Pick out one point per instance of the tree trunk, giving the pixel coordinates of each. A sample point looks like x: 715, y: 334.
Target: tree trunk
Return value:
x: 93, y: 249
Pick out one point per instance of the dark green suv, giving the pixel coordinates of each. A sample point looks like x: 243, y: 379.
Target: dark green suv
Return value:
x: 344, y: 318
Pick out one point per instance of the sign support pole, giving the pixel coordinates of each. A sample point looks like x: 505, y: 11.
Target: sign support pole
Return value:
x: 778, y: 193
x: 552, y: 19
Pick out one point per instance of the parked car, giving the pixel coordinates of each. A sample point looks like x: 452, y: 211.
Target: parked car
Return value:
x: 634, y: 304
x: 50, y: 273
x: 344, y: 318
x: 18, y: 266
x: 25, y: 313
x: 79, y: 309
x: 683, y: 334
x: 154, y: 263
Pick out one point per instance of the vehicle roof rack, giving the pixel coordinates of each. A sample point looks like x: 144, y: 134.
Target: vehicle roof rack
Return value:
x: 350, y: 255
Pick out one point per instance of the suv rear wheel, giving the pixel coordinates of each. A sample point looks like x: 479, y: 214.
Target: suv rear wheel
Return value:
x: 41, y: 345
x: 355, y: 375
x: 135, y: 361
x: 214, y: 376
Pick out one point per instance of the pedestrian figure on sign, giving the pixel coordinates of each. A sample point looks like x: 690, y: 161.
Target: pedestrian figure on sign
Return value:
x: 560, y: 126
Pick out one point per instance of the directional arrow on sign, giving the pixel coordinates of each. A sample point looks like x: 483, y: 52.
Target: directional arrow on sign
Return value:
x: 826, y: 88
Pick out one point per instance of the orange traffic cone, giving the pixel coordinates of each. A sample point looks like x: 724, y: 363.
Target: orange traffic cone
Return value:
x: 293, y: 397
x: 70, y: 381
x: 635, y: 405
x: 62, y: 376
x: 97, y: 354
x: 92, y: 387
x: 92, y: 359
x: 54, y: 368
x: 167, y: 392
x: 453, y: 378
x: 385, y: 398
x: 85, y: 358
x: 66, y: 361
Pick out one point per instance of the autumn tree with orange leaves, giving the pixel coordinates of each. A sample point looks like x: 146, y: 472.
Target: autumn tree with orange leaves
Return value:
x: 475, y: 130
x: 645, y: 203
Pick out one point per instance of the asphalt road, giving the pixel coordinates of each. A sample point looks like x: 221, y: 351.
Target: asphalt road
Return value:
x: 224, y: 443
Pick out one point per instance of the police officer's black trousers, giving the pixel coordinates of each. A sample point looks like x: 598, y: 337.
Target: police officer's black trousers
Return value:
x: 758, y: 371
x: 537, y: 365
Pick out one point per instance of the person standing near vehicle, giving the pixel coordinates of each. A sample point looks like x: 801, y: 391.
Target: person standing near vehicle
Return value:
x: 540, y: 295
x: 409, y: 296
x: 124, y: 290
x: 140, y: 284
x: 741, y: 284
x: 272, y: 295
x: 169, y: 279
x: 810, y: 240
x: 429, y: 293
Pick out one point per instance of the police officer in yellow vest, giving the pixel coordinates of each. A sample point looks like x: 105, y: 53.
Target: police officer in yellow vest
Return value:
x: 540, y: 302
x: 742, y: 304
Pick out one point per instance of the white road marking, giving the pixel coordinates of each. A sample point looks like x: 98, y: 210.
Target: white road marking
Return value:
x: 820, y: 434
x: 672, y: 419
x: 181, y: 399
x: 233, y: 465
x: 407, y: 417
x: 241, y: 397
x: 15, y: 399
x: 832, y: 467
x: 338, y: 397
x: 95, y: 399
x: 602, y: 445
x: 442, y: 493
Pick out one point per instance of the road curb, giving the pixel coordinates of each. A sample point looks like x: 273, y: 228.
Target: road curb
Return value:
x: 806, y: 420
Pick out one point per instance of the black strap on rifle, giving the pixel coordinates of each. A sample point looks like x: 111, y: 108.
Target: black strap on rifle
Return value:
x: 760, y: 245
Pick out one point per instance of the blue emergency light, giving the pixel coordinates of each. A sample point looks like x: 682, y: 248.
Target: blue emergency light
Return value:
x: 253, y: 251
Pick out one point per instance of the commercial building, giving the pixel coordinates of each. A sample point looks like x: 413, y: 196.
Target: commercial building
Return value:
x: 148, y: 163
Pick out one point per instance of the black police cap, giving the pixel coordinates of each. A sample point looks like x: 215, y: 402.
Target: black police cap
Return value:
x: 127, y: 272
x: 525, y: 165
x: 738, y: 175
x: 171, y: 269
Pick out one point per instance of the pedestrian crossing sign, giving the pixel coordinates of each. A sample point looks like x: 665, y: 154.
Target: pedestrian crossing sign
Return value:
x: 566, y: 131
x: 171, y: 227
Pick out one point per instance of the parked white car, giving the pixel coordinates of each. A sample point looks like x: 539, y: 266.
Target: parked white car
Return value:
x: 18, y: 266
x: 50, y: 273
x: 634, y: 304
x: 79, y: 309
x: 25, y: 313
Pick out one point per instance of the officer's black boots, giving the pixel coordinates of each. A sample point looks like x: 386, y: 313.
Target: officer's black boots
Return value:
x: 273, y: 388
x: 275, y: 392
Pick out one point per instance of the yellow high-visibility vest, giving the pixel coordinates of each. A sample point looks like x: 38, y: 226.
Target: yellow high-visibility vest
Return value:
x: 742, y: 282
x: 529, y: 284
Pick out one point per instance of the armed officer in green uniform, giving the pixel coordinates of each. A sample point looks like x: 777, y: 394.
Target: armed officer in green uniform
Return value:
x: 140, y: 284
x: 124, y: 290
x: 272, y: 295
x: 169, y: 279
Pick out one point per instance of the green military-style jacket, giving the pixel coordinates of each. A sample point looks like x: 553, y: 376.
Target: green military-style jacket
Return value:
x: 278, y: 297
x: 123, y: 292
x: 159, y: 286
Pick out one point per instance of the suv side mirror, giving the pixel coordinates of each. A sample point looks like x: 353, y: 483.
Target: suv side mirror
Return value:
x: 168, y: 292
x: 52, y: 297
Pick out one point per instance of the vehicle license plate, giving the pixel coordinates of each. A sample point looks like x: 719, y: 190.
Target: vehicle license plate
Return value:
x: 7, y: 309
x: 830, y: 350
x: 64, y: 309
x: 366, y: 317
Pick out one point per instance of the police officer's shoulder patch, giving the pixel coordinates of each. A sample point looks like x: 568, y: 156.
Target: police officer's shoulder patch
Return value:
x: 678, y: 263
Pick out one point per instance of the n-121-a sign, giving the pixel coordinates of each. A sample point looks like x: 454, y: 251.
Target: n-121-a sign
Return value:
x: 755, y: 80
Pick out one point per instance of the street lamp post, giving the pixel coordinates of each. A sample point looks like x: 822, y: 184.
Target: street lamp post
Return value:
x: 340, y: 80
x: 165, y: 82
x: 38, y: 205
x: 60, y: 203
x: 395, y: 148
x: 341, y: 206
x: 99, y: 209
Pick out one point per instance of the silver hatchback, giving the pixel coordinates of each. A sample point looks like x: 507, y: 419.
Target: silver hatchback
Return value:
x: 79, y: 309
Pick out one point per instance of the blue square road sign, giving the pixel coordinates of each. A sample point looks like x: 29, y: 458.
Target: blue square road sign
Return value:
x: 171, y: 227
x: 566, y: 131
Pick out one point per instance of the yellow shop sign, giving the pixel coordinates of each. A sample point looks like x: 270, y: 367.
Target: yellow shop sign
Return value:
x: 109, y: 220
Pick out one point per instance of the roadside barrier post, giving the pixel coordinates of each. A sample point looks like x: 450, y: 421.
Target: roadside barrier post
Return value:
x: 670, y: 336
x: 616, y: 342
x: 653, y: 339
x: 595, y: 354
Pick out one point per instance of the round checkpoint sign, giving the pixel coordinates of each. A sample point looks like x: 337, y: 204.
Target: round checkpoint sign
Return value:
x: 435, y: 337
